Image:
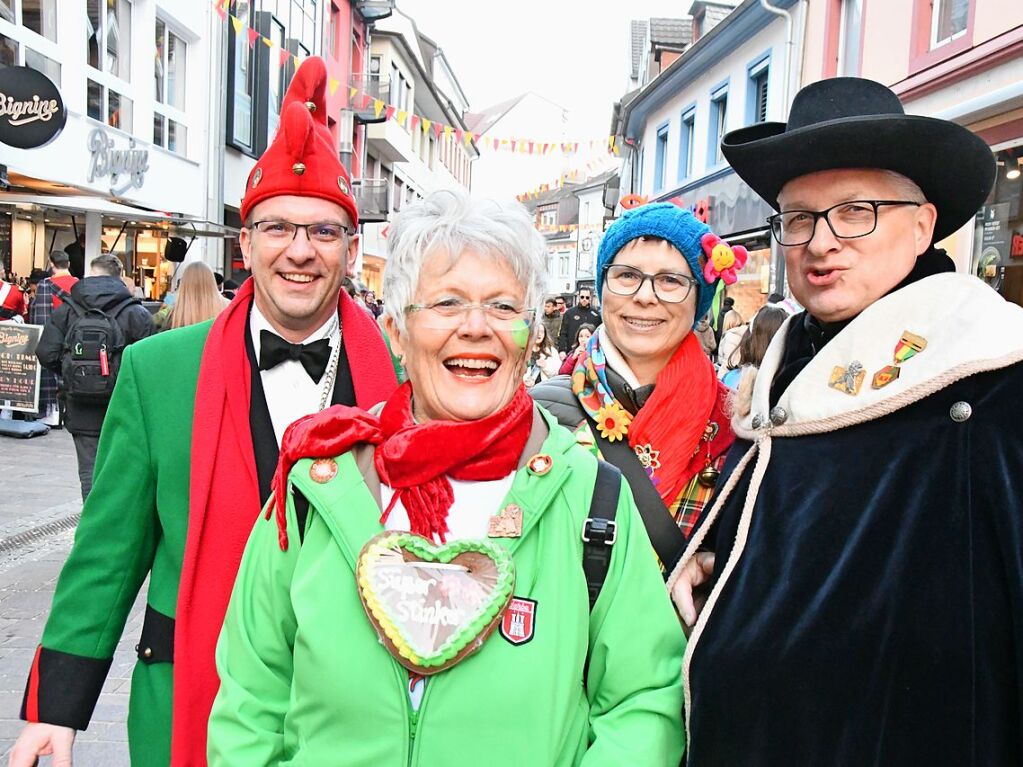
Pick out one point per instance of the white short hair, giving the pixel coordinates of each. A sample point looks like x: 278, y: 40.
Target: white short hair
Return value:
x: 449, y: 221
x: 906, y: 188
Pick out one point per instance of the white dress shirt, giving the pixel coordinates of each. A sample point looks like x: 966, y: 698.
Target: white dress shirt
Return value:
x: 290, y: 392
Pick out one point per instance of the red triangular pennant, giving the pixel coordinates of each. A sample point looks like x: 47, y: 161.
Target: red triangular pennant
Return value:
x: 284, y: 57
x: 389, y: 112
x: 438, y: 129
x: 253, y: 36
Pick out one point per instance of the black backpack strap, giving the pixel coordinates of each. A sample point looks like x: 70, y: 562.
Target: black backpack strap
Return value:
x: 121, y: 306
x: 668, y: 541
x: 600, y: 529
x: 666, y: 537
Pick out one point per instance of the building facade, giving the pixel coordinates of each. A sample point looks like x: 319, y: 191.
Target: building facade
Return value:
x: 736, y: 71
x: 128, y: 171
x: 959, y: 60
x: 416, y: 144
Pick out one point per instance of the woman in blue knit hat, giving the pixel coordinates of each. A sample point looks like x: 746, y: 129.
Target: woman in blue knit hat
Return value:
x: 644, y: 395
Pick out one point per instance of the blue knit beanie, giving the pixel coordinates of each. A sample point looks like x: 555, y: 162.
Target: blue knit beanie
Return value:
x: 669, y: 222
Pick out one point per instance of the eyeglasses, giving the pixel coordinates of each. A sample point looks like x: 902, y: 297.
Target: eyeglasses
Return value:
x: 282, y: 233
x: 847, y: 220
x: 449, y: 313
x: 670, y: 287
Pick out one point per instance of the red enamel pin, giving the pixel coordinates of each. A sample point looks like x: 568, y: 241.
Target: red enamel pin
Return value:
x: 519, y: 620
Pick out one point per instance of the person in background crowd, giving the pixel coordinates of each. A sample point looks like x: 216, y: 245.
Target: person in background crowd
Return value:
x: 12, y: 299
x: 590, y: 683
x: 718, y: 320
x: 60, y: 280
x: 752, y: 345
x: 581, y: 339
x: 543, y: 360
x: 219, y: 279
x: 732, y: 328
x: 230, y: 289
x: 705, y: 333
x: 644, y: 395
x: 104, y: 292
x: 371, y: 303
x: 47, y: 298
x: 580, y: 314
x: 197, y: 298
x: 189, y: 447
x: 551, y: 319
x: 559, y: 302
x: 863, y: 563
x: 76, y: 256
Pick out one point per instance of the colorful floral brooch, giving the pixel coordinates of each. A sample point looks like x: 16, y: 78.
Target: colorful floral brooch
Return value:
x: 723, y: 260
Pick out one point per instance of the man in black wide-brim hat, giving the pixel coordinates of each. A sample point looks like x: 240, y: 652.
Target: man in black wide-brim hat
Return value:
x: 862, y: 565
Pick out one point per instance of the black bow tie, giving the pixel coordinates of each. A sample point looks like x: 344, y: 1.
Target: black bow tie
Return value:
x: 273, y: 350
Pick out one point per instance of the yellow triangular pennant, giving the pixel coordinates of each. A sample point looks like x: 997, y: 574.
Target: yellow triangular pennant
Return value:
x: 237, y: 24
x: 378, y: 107
x: 333, y: 84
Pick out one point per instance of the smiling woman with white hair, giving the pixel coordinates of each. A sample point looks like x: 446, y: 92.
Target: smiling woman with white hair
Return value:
x: 364, y: 624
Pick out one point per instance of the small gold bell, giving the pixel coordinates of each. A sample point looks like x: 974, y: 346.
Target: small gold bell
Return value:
x: 708, y: 476
x: 310, y: 106
x: 298, y: 168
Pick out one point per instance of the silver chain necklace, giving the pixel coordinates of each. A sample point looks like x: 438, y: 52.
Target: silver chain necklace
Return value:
x: 335, y: 356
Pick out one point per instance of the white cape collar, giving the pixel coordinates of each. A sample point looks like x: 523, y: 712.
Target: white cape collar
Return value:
x: 968, y: 328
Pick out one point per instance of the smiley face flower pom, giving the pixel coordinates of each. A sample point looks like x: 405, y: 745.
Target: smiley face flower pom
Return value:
x: 723, y: 260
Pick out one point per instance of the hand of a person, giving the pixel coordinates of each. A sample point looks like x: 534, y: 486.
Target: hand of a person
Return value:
x: 697, y: 571
x: 40, y: 739
x: 561, y: 356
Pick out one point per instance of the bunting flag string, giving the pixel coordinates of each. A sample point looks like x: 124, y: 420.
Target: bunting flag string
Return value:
x: 365, y: 101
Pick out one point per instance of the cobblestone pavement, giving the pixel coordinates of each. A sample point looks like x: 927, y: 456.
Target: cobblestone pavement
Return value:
x: 39, y: 486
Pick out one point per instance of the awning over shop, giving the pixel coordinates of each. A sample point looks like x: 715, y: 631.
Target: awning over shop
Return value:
x: 60, y: 209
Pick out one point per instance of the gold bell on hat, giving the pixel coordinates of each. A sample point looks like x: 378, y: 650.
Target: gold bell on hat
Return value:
x: 298, y: 168
x: 310, y: 106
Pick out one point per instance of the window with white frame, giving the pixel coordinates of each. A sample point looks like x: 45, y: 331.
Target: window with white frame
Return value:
x: 757, y: 75
x: 548, y: 219
x: 169, y: 129
x: 948, y: 20
x: 660, y: 157
x: 563, y: 266
x: 686, y: 143
x: 850, y: 38
x: 718, y: 125
x: 108, y: 54
x: 277, y: 75
x: 32, y: 41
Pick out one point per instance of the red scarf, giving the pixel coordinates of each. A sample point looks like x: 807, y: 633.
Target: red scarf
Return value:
x: 224, y: 499
x: 673, y: 420
x: 414, y: 459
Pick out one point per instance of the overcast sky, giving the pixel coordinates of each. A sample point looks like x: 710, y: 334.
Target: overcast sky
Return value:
x: 573, y: 52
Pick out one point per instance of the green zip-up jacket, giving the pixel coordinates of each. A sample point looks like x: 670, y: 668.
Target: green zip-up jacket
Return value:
x: 306, y: 681
x: 133, y: 525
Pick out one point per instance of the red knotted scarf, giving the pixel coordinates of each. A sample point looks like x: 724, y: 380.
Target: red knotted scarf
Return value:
x: 224, y: 499
x: 414, y: 459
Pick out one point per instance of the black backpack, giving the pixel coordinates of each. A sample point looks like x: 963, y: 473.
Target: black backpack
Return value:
x: 93, y: 345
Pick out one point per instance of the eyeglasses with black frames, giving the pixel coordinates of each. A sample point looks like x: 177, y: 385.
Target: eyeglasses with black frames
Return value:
x: 669, y: 287
x: 282, y: 233
x: 450, y: 313
x: 847, y: 221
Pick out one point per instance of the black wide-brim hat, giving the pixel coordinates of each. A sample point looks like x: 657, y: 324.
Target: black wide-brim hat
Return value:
x: 851, y: 122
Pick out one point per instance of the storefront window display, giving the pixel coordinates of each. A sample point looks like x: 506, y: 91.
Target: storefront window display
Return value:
x: 998, y: 233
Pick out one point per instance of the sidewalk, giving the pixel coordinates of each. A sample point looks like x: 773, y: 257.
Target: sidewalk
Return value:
x: 39, y: 485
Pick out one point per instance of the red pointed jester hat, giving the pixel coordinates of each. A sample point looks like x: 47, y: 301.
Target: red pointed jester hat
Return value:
x: 302, y: 160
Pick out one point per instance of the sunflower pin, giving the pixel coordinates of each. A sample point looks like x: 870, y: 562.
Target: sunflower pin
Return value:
x: 613, y: 421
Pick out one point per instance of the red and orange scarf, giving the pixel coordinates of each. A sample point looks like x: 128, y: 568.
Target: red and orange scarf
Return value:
x: 670, y: 425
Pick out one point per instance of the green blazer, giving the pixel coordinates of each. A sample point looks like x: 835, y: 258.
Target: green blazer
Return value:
x: 133, y: 525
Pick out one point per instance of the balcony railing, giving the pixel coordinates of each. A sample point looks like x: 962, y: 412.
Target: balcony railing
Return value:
x: 371, y: 198
x: 374, y: 10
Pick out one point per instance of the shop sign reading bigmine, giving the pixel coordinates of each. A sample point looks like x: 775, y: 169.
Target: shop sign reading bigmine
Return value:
x: 32, y: 113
